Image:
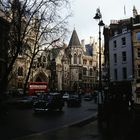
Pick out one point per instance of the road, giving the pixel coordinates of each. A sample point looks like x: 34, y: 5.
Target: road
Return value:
x: 22, y: 122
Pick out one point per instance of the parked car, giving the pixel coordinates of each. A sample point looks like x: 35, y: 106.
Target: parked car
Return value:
x: 74, y: 100
x: 51, y: 101
x: 26, y: 101
x: 65, y: 96
x: 88, y: 97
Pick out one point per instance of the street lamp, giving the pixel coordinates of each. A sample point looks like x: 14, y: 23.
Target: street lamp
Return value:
x: 98, y: 16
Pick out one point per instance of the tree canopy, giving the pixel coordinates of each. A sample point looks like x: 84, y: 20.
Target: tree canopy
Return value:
x: 33, y: 24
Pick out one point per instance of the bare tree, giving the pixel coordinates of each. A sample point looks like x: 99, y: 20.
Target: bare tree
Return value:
x: 33, y: 24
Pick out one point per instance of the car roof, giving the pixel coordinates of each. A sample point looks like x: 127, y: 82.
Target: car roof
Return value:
x: 54, y: 93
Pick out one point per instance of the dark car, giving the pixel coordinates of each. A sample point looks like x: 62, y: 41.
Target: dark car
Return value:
x: 66, y: 96
x: 74, y: 100
x: 88, y: 97
x: 50, y: 101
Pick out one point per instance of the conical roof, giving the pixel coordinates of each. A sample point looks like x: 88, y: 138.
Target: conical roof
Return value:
x: 74, y: 41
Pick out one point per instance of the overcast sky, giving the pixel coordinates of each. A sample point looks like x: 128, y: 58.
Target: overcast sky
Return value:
x: 84, y: 11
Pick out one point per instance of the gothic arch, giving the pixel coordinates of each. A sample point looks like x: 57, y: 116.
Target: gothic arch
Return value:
x: 41, y: 77
x: 75, y: 59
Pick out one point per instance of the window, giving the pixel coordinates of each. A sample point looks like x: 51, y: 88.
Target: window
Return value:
x: 138, y: 36
x: 44, y: 59
x: 90, y: 72
x: 115, y: 74
x: 115, y: 44
x: 90, y: 63
x: 124, y: 72
x: 84, y: 71
x: 84, y: 62
x: 80, y: 76
x: 19, y: 84
x: 123, y: 41
x: 115, y: 58
x: 123, y: 56
x: 79, y: 59
x: 138, y: 70
x: 75, y: 59
x: 20, y: 71
x: 138, y: 52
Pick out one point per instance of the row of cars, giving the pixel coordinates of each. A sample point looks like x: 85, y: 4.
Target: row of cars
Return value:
x: 51, y: 101
x: 72, y: 99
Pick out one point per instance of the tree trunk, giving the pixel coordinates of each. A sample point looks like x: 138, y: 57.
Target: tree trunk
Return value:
x: 27, y: 77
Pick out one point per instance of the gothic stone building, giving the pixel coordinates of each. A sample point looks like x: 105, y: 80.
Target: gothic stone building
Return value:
x: 68, y: 67
x: 72, y: 67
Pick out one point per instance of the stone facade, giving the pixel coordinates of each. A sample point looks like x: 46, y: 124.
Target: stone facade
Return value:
x: 67, y: 67
x: 76, y: 66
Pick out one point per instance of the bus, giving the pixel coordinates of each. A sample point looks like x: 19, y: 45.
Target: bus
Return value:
x: 35, y: 88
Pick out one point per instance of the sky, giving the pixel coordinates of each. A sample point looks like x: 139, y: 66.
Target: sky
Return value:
x: 84, y: 10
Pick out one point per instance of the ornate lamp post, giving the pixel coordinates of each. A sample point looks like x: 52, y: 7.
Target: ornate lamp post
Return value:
x: 98, y: 16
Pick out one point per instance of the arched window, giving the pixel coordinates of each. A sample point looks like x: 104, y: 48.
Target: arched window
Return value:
x: 80, y: 59
x: 20, y: 71
x: 44, y: 59
x: 75, y: 59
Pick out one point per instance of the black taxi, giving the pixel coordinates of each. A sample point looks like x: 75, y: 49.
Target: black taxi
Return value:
x: 50, y: 101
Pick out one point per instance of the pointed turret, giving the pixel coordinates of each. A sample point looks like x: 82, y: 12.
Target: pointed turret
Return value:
x: 74, y: 41
x: 135, y: 13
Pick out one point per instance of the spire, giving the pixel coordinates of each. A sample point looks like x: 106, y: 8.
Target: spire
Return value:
x: 74, y: 41
x: 135, y: 13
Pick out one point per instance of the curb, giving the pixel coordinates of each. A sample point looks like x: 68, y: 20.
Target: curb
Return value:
x: 84, y: 121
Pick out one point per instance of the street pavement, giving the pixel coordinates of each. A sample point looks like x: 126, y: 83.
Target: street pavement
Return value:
x: 85, y: 129
x: 119, y: 127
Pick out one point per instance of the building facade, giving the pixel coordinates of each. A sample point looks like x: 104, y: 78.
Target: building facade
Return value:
x: 73, y: 66
x: 122, y: 46
x: 65, y: 68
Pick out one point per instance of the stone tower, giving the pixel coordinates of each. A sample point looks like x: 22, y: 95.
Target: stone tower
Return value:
x: 75, y: 52
x: 135, y: 13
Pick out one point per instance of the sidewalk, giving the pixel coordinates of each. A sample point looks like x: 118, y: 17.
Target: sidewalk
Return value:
x: 119, y: 127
